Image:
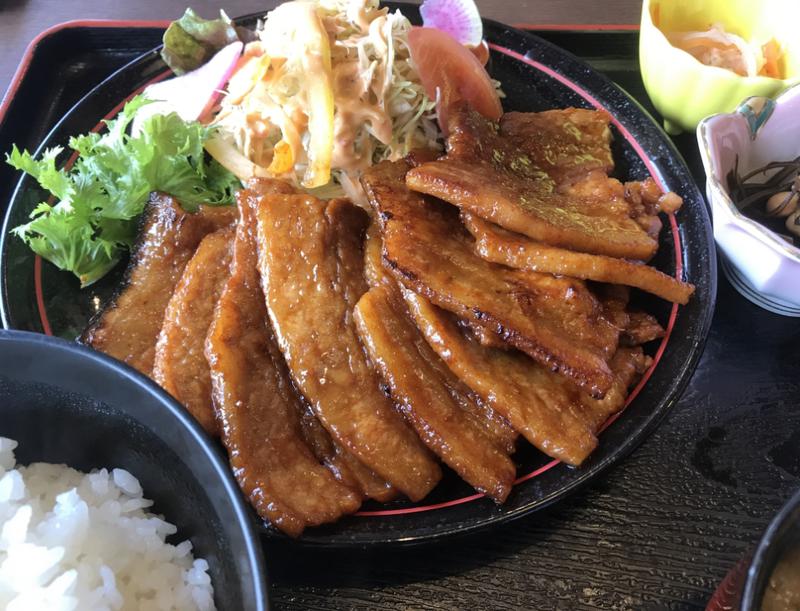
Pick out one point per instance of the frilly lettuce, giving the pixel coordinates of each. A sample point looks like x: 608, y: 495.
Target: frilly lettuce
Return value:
x: 191, y: 40
x: 93, y: 222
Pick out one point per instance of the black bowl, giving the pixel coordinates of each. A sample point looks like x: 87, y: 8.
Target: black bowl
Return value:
x: 67, y: 404
x: 781, y: 534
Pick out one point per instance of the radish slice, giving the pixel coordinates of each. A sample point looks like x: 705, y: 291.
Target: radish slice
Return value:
x: 193, y: 94
x: 459, y: 18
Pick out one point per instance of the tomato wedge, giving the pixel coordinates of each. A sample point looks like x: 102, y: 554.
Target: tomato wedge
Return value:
x: 480, y: 51
x: 449, y: 67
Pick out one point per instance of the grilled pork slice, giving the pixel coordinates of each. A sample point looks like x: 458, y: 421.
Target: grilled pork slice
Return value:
x: 551, y: 414
x: 511, y: 384
x: 566, y: 144
x: 258, y: 409
x: 307, y: 254
x: 497, y: 245
x: 407, y: 364
x: 494, y: 425
x: 180, y: 364
x: 637, y: 327
x: 372, y: 485
x: 487, y: 174
x: 486, y: 337
x: 128, y: 326
x: 628, y: 365
x: 374, y: 269
x: 641, y: 328
x: 345, y: 467
x: 573, y: 146
x: 557, y: 321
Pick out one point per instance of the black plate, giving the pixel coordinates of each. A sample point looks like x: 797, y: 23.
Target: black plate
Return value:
x: 536, y: 76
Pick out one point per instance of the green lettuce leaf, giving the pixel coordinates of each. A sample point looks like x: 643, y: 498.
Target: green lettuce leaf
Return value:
x: 191, y: 41
x: 93, y: 219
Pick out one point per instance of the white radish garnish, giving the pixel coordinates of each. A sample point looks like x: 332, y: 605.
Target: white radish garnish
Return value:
x: 459, y: 18
x: 194, y: 94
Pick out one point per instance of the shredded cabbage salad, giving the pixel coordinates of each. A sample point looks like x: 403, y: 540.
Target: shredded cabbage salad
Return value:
x: 327, y: 90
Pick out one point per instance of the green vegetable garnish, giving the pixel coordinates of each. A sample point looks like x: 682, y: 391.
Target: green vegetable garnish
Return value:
x: 191, y: 40
x: 94, y: 220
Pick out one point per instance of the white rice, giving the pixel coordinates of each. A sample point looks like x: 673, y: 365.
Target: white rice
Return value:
x: 71, y: 540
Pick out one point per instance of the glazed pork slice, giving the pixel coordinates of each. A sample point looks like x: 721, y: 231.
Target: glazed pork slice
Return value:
x: 557, y: 321
x: 573, y: 147
x: 515, y: 250
x: 637, y: 327
x: 566, y: 144
x: 486, y: 173
x: 259, y: 410
x: 484, y: 336
x: 349, y: 263
x: 405, y: 361
x: 641, y: 328
x: 306, y: 250
x: 343, y: 464
x: 180, y: 364
x: 128, y: 327
x: 546, y: 409
x: 345, y: 467
x: 494, y: 425
x: 510, y: 383
x: 629, y: 364
x: 374, y: 270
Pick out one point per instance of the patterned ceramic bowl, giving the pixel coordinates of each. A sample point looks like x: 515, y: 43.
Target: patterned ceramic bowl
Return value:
x: 684, y: 90
x: 758, y: 262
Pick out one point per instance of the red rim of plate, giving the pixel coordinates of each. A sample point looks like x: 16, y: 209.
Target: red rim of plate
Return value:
x: 651, y: 168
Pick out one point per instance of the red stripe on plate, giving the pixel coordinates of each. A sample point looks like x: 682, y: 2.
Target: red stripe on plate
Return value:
x: 586, y: 27
x: 37, y: 282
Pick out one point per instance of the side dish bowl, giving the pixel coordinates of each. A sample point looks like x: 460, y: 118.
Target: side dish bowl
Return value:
x: 683, y: 89
x: 67, y: 404
x: 781, y: 535
x: 746, y: 585
x: 759, y: 263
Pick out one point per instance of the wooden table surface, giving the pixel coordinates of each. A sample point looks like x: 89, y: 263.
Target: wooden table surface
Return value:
x: 22, y: 20
x: 659, y: 531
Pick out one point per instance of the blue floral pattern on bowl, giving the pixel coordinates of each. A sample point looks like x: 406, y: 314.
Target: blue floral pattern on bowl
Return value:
x: 762, y: 265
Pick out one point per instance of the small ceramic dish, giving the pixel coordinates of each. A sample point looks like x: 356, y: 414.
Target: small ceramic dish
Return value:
x: 763, y: 266
x: 782, y: 537
x: 772, y: 566
x: 67, y: 404
x: 683, y: 89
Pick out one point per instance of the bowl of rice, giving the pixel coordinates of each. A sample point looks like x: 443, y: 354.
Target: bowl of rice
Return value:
x: 111, y: 495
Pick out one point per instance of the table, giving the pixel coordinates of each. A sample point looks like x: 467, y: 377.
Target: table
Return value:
x: 659, y: 531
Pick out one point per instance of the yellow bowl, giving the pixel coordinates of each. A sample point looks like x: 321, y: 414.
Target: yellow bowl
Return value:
x: 683, y: 89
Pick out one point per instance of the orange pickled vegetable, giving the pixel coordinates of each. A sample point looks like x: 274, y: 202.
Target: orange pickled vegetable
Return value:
x: 721, y: 49
x: 772, y: 55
